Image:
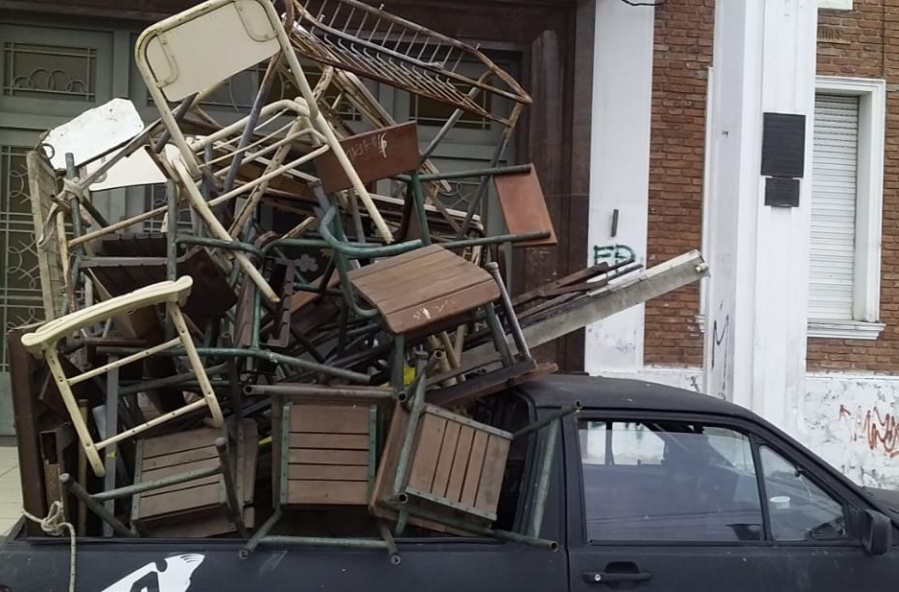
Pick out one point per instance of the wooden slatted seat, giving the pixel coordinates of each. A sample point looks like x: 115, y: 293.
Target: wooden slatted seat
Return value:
x: 424, y: 289
x: 324, y: 453
x: 198, y: 507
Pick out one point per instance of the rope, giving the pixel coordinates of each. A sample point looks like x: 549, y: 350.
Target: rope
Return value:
x: 55, y: 525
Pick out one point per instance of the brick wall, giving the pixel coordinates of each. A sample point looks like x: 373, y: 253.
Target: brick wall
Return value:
x: 683, y: 53
x: 867, y: 46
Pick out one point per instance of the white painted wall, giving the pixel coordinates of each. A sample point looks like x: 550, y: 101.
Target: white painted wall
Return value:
x: 764, y: 61
x: 619, y: 170
x: 852, y: 421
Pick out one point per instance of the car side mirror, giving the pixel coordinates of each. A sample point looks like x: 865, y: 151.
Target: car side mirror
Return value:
x: 875, y: 532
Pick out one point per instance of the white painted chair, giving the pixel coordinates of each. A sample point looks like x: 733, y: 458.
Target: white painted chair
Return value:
x: 196, y: 50
x: 42, y: 344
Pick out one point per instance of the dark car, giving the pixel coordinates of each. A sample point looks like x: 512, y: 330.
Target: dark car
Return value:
x: 653, y: 488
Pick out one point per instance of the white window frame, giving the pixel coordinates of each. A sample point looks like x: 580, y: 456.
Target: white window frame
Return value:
x: 869, y: 209
x: 835, y: 4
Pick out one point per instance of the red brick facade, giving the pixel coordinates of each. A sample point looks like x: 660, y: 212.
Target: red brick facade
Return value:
x: 868, y: 47
x: 862, y: 43
x: 683, y: 53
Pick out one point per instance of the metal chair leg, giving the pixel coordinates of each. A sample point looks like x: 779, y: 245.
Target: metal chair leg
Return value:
x: 514, y: 326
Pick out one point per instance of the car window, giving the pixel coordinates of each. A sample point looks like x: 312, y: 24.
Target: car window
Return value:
x: 798, y: 509
x: 668, y: 481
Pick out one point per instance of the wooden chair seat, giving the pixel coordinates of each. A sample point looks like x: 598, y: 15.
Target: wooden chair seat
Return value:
x: 325, y: 454
x: 196, y: 507
x: 423, y: 288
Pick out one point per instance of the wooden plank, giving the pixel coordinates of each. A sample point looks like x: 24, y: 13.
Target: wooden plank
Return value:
x: 449, y: 281
x: 460, y: 463
x: 384, y: 476
x: 42, y: 189
x: 329, y: 419
x: 426, y: 452
x: 377, y: 154
x: 389, y: 272
x: 492, y: 474
x: 196, y: 498
x: 328, y: 457
x: 327, y: 472
x: 447, y: 455
x: 178, y: 468
x: 407, y: 277
x: 330, y: 441
x: 197, y: 527
x: 205, y: 481
x: 23, y: 372
x: 475, y: 464
x: 329, y: 492
x: 524, y: 207
x: 441, y: 309
x: 187, y: 456
x: 397, y: 260
x: 180, y: 441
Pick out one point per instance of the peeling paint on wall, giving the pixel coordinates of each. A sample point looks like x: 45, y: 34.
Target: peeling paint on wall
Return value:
x: 853, y: 423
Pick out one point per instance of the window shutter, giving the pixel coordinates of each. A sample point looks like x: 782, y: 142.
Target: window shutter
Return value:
x: 835, y: 164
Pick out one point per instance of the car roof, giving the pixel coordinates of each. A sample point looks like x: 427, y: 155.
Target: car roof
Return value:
x: 602, y: 392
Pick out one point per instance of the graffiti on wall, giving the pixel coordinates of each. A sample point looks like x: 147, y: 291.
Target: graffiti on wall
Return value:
x: 613, y: 254
x: 878, y: 430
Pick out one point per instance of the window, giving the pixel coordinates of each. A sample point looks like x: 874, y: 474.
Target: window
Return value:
x: 835, y: 4
x: 671, y: 481
x: 679, y: 481
x: 846, y: 204
x: 798, y: 509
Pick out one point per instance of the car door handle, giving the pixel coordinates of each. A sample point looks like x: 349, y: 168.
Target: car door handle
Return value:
x: 603, y: 577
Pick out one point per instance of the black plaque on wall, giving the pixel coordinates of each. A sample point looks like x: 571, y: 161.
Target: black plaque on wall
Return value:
x: 781, y: 192
x: 783, y: 145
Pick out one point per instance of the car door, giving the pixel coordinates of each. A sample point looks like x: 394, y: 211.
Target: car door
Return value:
x: 672, y: 502
x: 664, y: 503
x: 808, y: 509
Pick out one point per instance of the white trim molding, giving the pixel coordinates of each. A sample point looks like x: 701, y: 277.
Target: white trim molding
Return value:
x: 835, y: 4
x: 845, y: 330
x: 869, y: 209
